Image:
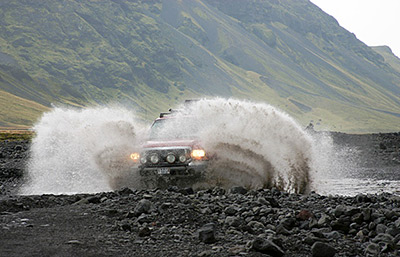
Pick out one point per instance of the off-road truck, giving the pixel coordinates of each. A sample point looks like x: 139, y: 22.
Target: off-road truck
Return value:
x: 173, y: 154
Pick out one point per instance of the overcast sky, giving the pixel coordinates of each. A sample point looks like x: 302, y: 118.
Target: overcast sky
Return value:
x: 375, y: 22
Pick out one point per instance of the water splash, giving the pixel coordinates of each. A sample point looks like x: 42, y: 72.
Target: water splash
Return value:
x: 255, y: 145
x: 80, y: 150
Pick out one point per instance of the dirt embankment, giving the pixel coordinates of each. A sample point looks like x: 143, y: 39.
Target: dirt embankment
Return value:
x: 216, y: 222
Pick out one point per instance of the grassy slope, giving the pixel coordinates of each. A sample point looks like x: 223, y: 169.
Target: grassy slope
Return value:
x: 337, y: 86
x: 153, y: 55
x: 390, y: 58
x: 17, y: 112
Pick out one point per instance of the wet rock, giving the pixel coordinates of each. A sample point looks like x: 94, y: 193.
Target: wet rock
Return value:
x: 263, y: 201
x: 267, y: 247
x: 310, y: 239
x: 397, y: 223
x: 393, y: 231
x: 207, y: 233
x: 238, y: 190
x: 218, y: 191
x: 206, y: 253
x: 340, y: 210
x: 125, y: 191
x: 366, y: 212
x: 230, y: 210
x: 372, y: 249
x: 145, y: 231
x: 288, y: 223
x: 126, y: 226
x: 186, y: 191
x: 272, y: 201
x: 280, y: 229
x: 94, y: 199
x: 256, y: 226
x: 82, y: 201
x: 233, y: 221
x: 304, y: 215
x: 143, y: 206
x: 313, y: 223
x: 341, y: 224
x: 390, y: 214
x: 144, y: 218
x: 386, y: 238
x: 324, y: 220
x: 320, y: 249
x: 357, y: 218
x: 380, y: 229
x: 361, y: 198
x: 332, y: 235
x: 351, y: 211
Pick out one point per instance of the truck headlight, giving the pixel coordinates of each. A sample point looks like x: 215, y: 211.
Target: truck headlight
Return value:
x: 154, y: 159
x: 143, y: 160
x: 198, y: 154
x: 135, y: 157
x: 171, y: 158
x: 182, y: 158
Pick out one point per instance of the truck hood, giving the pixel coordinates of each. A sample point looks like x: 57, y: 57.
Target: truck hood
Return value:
x: 171, y: 143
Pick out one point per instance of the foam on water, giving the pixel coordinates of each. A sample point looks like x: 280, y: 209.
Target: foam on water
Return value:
x: 252, y: 144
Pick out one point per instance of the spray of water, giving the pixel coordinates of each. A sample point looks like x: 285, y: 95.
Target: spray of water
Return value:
x: 253, y: 145
x: 80, y: 150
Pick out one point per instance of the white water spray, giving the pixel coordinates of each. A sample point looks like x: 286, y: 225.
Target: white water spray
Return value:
x: 78, y: 151
x: 255, y: 146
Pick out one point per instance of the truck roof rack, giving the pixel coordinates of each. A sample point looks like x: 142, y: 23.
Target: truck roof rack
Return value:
x: 172, y: 111
x: 163, y: 114
x: 189, y: 101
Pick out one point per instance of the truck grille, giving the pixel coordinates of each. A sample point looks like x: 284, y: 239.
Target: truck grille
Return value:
x: 162, y: 155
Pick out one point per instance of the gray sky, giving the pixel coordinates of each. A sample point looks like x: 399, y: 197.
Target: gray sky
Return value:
x: 375, y: 22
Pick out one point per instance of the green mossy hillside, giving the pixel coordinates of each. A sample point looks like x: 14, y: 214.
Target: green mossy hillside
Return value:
x: 151, y: 55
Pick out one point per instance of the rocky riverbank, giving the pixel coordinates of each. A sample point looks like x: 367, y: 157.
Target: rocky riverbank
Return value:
x: 180, y: 222
x: 215, y: 222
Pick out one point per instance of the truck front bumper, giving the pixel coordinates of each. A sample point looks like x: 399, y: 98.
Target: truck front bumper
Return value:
x: 192, y: 169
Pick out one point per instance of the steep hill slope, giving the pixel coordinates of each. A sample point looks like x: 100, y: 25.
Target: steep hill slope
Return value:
x: 153, y: 54
x: 389, y: 57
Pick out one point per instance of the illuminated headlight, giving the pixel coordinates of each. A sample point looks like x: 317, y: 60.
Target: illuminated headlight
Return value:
x: 198, y: 154
x: 143, y: 160
x: 135, y: 157
x: 171, y: 158
x: 182, y: 158
x: 154, y: 158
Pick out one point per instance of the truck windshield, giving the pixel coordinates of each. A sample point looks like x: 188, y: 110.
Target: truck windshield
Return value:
x: 172, y: 128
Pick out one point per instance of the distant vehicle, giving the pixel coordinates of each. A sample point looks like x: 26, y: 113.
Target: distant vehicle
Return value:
x: 172, y: 155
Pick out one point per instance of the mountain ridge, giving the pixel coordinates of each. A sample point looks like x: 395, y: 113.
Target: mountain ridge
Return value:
x: 150, y: 55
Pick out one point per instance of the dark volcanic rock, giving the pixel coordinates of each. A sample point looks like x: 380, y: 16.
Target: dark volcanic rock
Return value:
x: 143, y: 206
x: 207, y: 233
x: 266, y: 246
x: 322, y: 250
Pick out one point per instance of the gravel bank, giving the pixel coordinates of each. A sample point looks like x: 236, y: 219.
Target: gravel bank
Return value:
x: 180, y: 222
x: 216, y: 222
